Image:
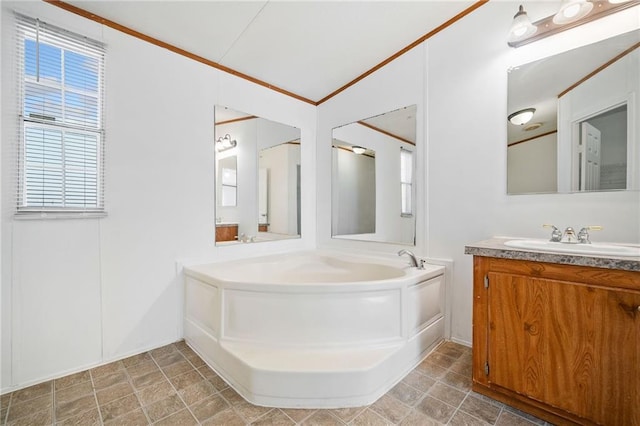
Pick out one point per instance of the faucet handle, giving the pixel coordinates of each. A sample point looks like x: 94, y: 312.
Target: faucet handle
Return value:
x: 556, y: 234
x: 583, y: 235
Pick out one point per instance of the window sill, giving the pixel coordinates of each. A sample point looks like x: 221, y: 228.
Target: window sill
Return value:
x: 58, y: 215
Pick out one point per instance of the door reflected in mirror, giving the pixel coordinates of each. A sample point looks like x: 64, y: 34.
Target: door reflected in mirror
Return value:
x: 556, y: 151
x: 257, y: 179
x: 373, y: 184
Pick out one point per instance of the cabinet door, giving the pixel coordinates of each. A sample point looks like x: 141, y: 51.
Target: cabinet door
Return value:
x: 570, y: 345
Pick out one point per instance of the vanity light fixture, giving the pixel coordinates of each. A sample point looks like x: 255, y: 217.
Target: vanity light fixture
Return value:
x: 225, y: 142
x: 572, y: 13
x: 521, y: 28
x: 521, y: 117
x: 358, y: 149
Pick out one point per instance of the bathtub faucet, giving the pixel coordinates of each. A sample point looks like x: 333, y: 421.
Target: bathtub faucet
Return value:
x: 414, y: 261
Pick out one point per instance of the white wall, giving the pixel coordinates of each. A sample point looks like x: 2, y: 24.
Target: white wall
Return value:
x: 81, y: 292
x: 531, y: 166
x: 467, y: 164
x: 465, y: 66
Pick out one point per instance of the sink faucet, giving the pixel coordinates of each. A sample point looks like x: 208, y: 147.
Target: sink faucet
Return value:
x: 414, y: 261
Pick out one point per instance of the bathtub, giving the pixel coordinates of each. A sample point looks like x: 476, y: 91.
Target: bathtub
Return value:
x: 313, y: 329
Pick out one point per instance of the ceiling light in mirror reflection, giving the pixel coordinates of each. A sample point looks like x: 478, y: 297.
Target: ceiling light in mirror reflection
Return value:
x: 521, y: 117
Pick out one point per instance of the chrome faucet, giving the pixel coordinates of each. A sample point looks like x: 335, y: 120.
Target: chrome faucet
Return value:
x: 556, y: 235
x: 412, y: 257
x: 569, y: 235
x: 583, y: 235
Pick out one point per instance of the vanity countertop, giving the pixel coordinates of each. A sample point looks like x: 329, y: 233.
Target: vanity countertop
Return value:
x: 222, y: 224
x: 495, y: 247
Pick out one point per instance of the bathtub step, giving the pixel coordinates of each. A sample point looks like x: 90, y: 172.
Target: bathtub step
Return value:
x: 291, y: 360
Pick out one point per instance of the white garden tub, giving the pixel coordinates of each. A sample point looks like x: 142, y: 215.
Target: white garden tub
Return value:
x: 313, y: 329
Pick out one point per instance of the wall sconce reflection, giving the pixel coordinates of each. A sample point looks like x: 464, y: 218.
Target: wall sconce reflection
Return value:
x: 225, y: 142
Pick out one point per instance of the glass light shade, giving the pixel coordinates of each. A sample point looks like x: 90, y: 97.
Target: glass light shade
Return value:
x: 358, y: 149
x: 521, y: 117
x: 521, y: 27
x: 225, y: 142
x: 571, y: 11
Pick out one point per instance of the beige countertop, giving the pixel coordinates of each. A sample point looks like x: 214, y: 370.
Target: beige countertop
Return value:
x: 495, y: 247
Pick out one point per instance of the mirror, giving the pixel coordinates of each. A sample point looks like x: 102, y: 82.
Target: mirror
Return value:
x: 257, y: 178
x: 583, y: 135
x: 373, y: 182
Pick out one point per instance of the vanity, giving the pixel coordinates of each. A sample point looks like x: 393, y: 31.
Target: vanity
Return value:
x: 557, y: 334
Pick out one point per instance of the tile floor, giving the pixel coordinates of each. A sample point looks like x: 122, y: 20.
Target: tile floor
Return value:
x: 171, y: 385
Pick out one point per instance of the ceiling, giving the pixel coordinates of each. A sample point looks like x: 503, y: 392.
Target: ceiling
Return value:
x: 308, y: 48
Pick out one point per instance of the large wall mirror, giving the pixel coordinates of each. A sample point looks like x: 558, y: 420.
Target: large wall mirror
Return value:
x: 257, y: 178
x: 373, y: 180
x: 584, y: 132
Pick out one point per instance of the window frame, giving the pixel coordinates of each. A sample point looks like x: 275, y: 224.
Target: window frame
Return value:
x: 87, y: 159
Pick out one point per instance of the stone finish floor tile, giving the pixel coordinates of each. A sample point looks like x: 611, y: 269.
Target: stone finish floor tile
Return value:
x: 172, y: 385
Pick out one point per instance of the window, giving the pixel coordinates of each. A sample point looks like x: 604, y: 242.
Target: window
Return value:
x: 62, y: 136
x: 406, y: 181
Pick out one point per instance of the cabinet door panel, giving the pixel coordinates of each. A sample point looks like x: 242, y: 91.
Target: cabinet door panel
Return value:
x: 570, y: 345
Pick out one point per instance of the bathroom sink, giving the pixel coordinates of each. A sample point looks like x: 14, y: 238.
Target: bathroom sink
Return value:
x: 586, y: 249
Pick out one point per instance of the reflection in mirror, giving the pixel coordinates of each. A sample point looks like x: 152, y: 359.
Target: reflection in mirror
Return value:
x: 598, y: 84
x: 373, y: 184
x: 258, y: 178
x: 354, y: 167
x: 228, y: 182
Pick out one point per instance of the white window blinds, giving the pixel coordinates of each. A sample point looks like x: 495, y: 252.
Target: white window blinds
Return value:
x: 406, y: 181
x: 62, y: 136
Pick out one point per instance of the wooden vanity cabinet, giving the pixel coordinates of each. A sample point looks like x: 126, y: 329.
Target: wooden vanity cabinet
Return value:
x: 226, y: 232
x: 559, y: 341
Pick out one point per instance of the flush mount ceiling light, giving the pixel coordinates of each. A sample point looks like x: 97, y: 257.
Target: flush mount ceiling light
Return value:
x: 521, y: 117
x: 358, y: 150
x: 521, y: 27
x: 224, y: 142
x: 572, y: 13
